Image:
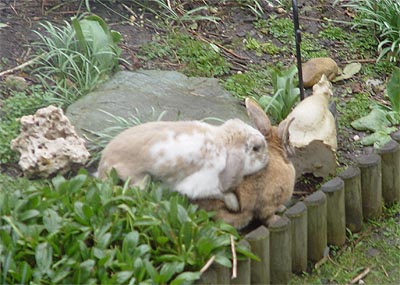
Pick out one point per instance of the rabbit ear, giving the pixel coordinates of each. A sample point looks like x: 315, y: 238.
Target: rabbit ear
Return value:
x: 233, y: 171
x: 257, y: 116
x: 283, y: 133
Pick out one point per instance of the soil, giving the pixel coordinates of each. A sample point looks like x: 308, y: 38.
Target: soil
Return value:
x: 22, y: 17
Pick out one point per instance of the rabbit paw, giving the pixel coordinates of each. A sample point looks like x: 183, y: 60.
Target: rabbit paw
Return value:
x: 231, y: 202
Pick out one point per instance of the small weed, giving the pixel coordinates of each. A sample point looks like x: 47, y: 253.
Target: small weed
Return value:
x: 332, y: 32
x: 286, y: 94
x: 281, y: 29
x: 260, y: 48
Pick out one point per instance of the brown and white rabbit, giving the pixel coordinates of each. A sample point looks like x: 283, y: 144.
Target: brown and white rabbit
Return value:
x: 191, y: 157
x: 263, y: 193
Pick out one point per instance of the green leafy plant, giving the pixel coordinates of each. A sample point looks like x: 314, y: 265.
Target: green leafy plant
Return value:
x: 286, y: 94
x: 18, y: 104
x: 82, y: 231
x: 75, y: 58
x: 383, y: 17
x: 381, y: 120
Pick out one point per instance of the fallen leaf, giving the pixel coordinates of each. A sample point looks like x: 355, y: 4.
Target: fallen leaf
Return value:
x: 2, y: 25
x: 348, y: 71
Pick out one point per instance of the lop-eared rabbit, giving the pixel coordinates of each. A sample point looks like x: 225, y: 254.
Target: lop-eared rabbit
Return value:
x: 193, y: 158
x: 263, y: 193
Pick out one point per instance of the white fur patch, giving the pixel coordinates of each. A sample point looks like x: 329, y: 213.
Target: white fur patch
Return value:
x: 201, y: 184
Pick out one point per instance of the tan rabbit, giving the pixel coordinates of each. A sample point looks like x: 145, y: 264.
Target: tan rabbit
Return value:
x: 191, y: 157
x: 263, y: 193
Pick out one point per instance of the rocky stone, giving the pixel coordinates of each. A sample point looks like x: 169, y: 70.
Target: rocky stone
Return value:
x: 16, y: 83
x: 148, y: 93
x: 48, y: 144
x: 316, y: 67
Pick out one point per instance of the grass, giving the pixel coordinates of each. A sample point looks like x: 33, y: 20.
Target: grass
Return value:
x: 376, y: 247
x: 196, y: 58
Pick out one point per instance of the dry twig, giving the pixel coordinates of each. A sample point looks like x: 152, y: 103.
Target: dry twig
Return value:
x: 360, y: 276
x: 208, y: 264
x: 21, y: 66
x: 234, y: 258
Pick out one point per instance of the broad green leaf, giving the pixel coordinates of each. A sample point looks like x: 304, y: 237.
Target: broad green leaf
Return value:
x: 44, y: 257
x: 28, y: 215
x: 169, y: 269
x: 376, y: 120
x: 377, y: 139
x: 123, y: 276
x: 223, y: 260
x: 82, y: 275
x: 52, y: 221
x: 393, y: 89
x: 186, y: 277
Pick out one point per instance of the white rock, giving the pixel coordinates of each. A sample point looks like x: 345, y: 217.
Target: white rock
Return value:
x: 356, y: 138
x: 313, y: 133
x: 48, y: 144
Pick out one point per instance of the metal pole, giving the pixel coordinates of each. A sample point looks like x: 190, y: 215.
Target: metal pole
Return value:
x: 297, y: 34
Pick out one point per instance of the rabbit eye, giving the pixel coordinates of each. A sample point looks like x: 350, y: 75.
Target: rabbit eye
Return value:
x: 256, y: 148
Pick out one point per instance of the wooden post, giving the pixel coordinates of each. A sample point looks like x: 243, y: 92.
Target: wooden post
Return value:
x: 371, y: 185
x: 259, y: 244
x: 336, y: 217
x: 243, y: 268
x: 298, y: 228
x: 215, y: 275
x: 353, y: 201
x: 317, y: 225
x: 280, y: 247
x: 390, y: 155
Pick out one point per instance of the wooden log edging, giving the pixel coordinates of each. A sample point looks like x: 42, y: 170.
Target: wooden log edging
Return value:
x: 390, y: 155
x: 371, y: 185
x: 335, y: 217
x: 353, y: 201
x: 307, y: 228
x: 280, y: 251
x: 316, y: 225
x: 297, y: 215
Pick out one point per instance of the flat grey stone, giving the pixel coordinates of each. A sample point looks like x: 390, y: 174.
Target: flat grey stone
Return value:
x: 148, y: 93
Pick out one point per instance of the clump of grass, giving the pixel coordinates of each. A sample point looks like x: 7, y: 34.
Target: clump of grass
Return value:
x: 198, y: 58
x: 382, y: 16
x: 75, y: 58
